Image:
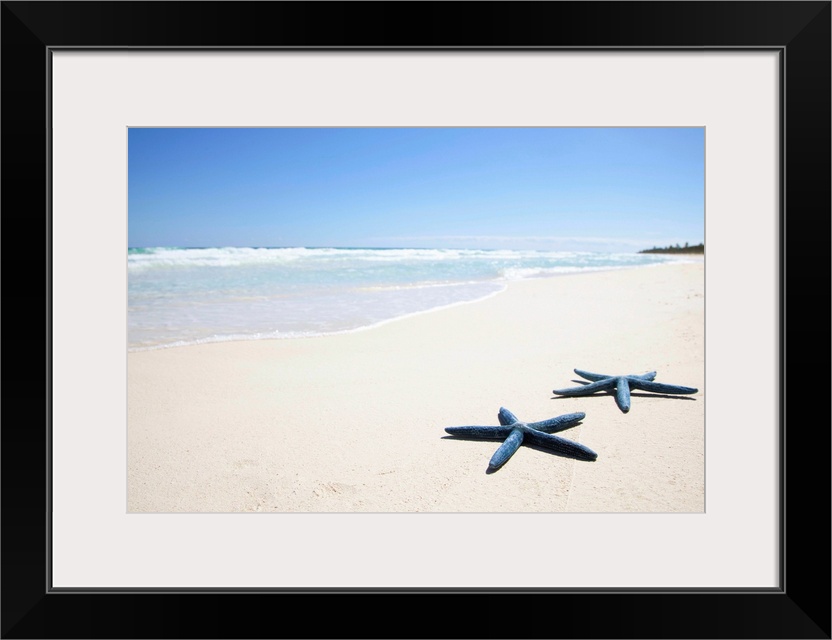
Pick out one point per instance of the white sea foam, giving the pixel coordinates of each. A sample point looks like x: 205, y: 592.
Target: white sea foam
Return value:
x: 241, y: 256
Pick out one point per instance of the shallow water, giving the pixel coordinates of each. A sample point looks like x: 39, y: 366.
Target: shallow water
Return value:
x: 180, y: 296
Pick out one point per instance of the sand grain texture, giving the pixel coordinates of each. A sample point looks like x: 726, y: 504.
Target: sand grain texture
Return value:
x: 355, y: 422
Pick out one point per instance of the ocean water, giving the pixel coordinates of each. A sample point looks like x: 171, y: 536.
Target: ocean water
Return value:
x: 179, y: 296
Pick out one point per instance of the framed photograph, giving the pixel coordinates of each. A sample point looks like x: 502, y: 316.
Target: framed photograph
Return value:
x: 493, y: 302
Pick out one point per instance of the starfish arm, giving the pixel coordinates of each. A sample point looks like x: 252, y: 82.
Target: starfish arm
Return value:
x: 588, y: 375
x: 587, y: 389
x: 558, y: 424
x: 658, y: 387
x: 506, y: 417
x: 602, y: 376
x: 622, y: 394
x: 560, y: 445
x: 481, y: 433
x: 506, y: 450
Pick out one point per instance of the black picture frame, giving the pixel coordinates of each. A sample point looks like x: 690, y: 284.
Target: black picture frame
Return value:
x: 799, y: 608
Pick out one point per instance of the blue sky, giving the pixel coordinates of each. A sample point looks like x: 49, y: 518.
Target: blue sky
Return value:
x: 586, y: 189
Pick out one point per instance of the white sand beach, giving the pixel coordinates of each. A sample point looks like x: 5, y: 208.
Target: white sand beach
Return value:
x: 355, y: 422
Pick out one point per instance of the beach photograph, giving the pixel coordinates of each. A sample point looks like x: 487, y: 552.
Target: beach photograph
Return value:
x: 416, y: 320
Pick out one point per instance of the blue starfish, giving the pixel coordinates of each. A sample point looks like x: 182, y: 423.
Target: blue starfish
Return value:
x: 622, y: 386
x: 514, y: 433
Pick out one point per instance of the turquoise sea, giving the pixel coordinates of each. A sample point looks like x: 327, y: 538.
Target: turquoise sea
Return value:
x: 179, y: 296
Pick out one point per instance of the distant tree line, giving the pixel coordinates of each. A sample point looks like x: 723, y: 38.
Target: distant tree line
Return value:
x: 696, y: 248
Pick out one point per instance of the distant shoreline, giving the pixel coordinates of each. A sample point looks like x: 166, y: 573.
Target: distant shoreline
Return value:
x: 675, y: 253
x: 698, y: 249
